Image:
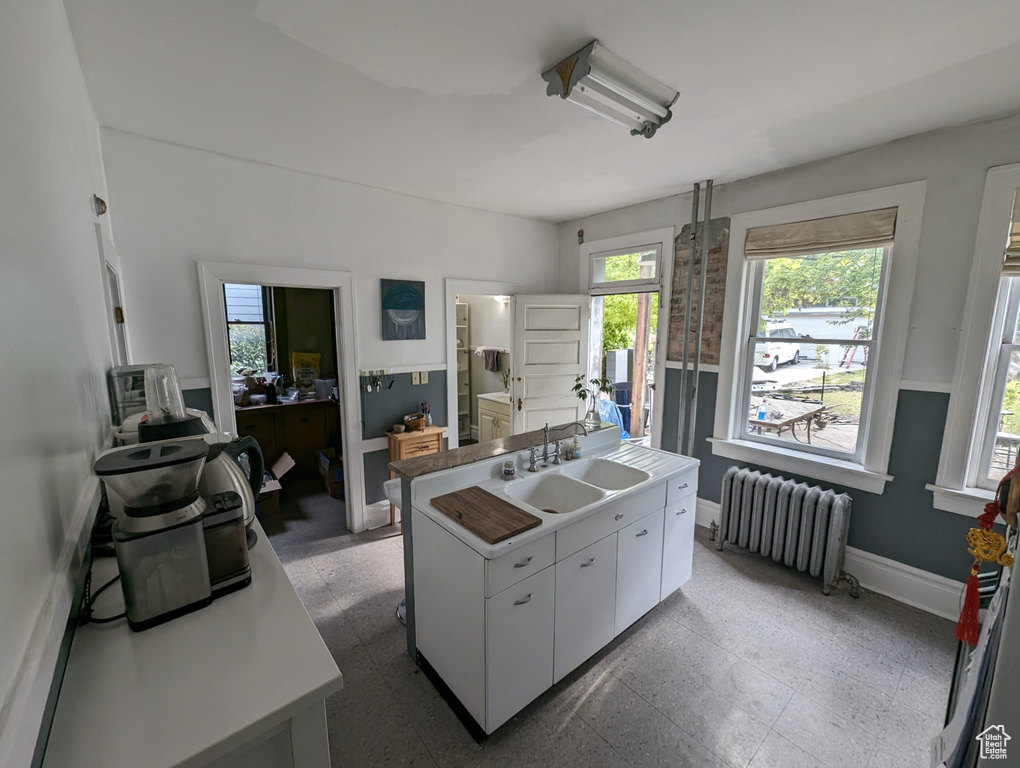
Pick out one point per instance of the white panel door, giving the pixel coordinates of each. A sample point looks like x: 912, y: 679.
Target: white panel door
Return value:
x: 550, y: 348
x: 585, y: 604
x: 638, y: 569
x: 678, y: 545
x: 519, y: 646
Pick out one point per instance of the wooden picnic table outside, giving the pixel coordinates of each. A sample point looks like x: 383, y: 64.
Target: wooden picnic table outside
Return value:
x: 794, y: 412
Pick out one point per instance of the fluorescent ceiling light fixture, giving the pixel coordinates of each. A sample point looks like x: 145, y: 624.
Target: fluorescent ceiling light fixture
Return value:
x: 599, y: 80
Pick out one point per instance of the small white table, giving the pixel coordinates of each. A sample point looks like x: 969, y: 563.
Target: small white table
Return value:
x: 242, y: 682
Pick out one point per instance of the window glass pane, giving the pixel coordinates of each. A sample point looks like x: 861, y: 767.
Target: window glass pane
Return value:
x: 244, y: 303
x: 1007, y: 433
x: 642, y: 265
x: 247, y: 346
x: 824, y: 296
x: 805, y: 393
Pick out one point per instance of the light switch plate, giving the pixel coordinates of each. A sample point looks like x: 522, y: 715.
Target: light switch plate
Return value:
x: 415, y: 378
x: 424, y: 377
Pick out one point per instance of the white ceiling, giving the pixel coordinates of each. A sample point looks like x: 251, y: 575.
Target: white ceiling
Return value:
x: 444, y: 99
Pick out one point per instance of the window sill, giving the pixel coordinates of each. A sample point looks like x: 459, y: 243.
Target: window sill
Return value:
x: 969, y: 502
x: 844, y: 473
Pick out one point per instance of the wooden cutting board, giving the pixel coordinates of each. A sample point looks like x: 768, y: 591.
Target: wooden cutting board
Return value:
x: 488, y: 517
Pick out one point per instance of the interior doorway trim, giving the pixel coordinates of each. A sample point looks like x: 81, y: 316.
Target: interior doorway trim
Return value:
x: 212, y: 276
x: 453, y: 287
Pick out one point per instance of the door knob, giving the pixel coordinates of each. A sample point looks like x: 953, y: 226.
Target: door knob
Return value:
x: 520, y: 404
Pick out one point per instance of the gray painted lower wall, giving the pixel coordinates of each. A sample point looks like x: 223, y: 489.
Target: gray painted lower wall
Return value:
x: 901, y: 524
x: 381, y: 410
x: 376, y: 473
x: 200, y: 399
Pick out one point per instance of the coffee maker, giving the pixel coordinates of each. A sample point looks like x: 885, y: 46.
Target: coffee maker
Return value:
x: 160, y: 539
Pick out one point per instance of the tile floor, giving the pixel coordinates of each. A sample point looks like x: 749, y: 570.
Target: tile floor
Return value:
x: 749, y: 665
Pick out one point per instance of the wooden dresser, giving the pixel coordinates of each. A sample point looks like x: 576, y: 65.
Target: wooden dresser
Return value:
x: 408, y: 445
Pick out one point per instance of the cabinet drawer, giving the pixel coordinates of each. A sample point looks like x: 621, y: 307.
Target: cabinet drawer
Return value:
x: 678, y: 545
x: 519, y: 646
x: 585, y: 604
x: 520, y: 564
x: 410, y: 449
x: 614, y: 517
x: 682, y: 484
x: 638, y: 569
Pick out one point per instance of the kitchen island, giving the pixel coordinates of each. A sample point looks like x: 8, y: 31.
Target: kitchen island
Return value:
x: 499, y: 623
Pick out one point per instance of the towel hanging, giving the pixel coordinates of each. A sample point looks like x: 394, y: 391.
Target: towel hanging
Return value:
x: 492, y: 360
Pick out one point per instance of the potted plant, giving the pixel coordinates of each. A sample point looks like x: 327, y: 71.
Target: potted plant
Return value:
x: 506, y: 381
x: 594, y: 387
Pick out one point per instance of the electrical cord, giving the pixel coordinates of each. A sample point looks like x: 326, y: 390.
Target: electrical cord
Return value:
x: 89, y: 598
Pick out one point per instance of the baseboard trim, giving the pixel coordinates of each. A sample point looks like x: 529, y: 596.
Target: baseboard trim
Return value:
x: 904, y: 583
x: 23, y: 713
x: 377, y: 515
x: 705, y: 512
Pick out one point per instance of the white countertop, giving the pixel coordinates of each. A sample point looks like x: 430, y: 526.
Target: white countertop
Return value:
x: 188, y: 691
x: 660, y: 465
x: 496, y: 397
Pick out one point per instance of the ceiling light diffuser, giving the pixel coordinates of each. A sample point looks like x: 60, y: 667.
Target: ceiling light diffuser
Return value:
x: 599, y: 80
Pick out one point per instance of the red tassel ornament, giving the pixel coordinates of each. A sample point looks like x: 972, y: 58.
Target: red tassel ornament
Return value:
x: 967, y: 628
x: 986, y: 547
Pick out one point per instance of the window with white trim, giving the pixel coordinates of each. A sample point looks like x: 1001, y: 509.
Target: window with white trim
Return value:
x: 628, y: 270
x: 868, y: 240
x: 806, y: 367
x: 999, y: 429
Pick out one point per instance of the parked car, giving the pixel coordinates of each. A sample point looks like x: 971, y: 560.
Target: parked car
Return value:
x: 769, y: 355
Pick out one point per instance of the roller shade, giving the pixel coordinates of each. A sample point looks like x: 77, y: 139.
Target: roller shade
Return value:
x: 1011, y: 265
x: 868, y: 229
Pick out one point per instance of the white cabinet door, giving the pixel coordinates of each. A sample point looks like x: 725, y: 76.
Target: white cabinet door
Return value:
x: 519, y: 646
x: 501, y: 425
x: 678, y: 545
x: 585, y: 604
x: 638, y: 569
x: 486, y: 426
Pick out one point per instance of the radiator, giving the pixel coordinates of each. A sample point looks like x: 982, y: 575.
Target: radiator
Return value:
x: 803, y: 526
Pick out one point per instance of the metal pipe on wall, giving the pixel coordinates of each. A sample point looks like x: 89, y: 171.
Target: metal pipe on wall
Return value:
x: 695, y: 378
x: 686, y: 321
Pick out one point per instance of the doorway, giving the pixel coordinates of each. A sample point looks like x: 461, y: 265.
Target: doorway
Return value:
x: 270, y: 330
x: 479, y: 319
x: 624, y: 339
x: 485, y: 335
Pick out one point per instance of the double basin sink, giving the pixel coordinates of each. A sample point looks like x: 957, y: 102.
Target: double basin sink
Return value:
x: 575, y: 485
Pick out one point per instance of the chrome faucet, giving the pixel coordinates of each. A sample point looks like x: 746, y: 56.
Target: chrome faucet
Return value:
x: 545, y: 439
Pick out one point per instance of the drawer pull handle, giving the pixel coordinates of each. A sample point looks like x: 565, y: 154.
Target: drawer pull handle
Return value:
x: 619, y: 515
x: 523, y: 563
x: 682, y: 511
x: 681, y: 487
x: 524, y: 600
x: 643, y: 533
x: 588, y: 562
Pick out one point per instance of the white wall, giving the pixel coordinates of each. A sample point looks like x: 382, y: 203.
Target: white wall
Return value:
x: 177, y: 205
x: 491, y: 322
x: 55, y: 349
x: 953, y: 161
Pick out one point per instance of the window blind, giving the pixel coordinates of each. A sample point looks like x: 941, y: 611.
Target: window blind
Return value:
x: 1011, y: 265
x: 867, y: 229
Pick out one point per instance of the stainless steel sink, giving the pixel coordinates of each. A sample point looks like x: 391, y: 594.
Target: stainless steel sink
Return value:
x: 553, y: 493
x: 605, y: 474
